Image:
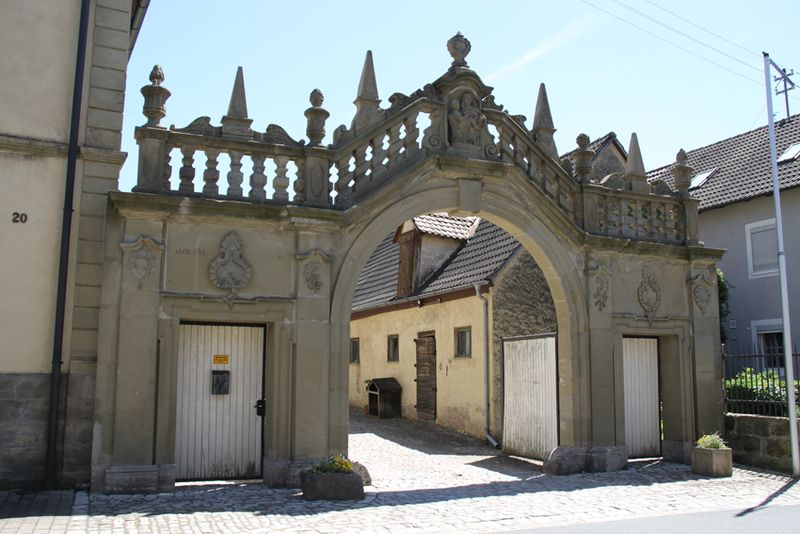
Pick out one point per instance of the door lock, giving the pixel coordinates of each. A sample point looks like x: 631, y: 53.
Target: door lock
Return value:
x: 260, y: 407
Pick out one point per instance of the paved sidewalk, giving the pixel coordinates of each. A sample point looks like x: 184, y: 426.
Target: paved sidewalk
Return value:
x: 426, y: 479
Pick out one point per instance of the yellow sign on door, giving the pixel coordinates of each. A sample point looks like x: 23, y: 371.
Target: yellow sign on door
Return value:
x: 221, y: 359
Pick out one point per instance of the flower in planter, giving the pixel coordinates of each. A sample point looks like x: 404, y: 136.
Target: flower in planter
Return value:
x: 711, y: 441
x: 335, y: 464
x: 711, y: 457
x: 333, y: 479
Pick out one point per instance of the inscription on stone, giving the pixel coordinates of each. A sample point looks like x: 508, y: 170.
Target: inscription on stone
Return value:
x: 189, y: 252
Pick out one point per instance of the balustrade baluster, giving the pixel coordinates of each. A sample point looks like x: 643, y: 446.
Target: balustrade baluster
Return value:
x: 281, y: 182
x: 235, y: 176
x: 186, y: 174
x: 412, y: 133
x: 211, y: 174
x: 167, y: 169
x: 362, y: 165
x: 343, y: 193
x: 504, y: 143
x: 257, y: 179
x: 378, y: 154
x: 300, y: 184
x: 394, y: 144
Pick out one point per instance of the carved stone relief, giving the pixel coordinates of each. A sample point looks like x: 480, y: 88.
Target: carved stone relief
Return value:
x: 313, y: 278
x: 140, y: 258
x: 229, y: 270
x: 649, y: 293
x: 600, y: 295
x: 701, y: 291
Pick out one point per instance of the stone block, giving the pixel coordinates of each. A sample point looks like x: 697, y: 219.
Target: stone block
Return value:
x: 100, y: 118
x: 677, y: 451
x: 606, y: 459
x: 84, y: 340
x: 131, y: 479
x: 107, y: 78
x: 745, y: 444
x: 91, y: 228
x: 730, y: 423
x: 8, y: 388
x: 92, y: 204
x: 777, y: 447
x: 106, y: 99
x: 275, y: 473
x: 85, y: 318
x: 32, y: 386
x: 88, y: 274
x: 331, y: 486
x: 98, y: 169
x: 119, y: 5
x: 755, y: 425
x: 90, y: 252
x: 778, y: 426
x: 103, y: 138
x: 112, y: 58
x: 99, y: 186
x: 112, y: 38
x: 712, y: 462
x: 111, y: 18
x: 565, y: 461
x: 166, y: 477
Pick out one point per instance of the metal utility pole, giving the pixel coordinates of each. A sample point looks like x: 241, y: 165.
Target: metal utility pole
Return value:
x: 785, y: 78
x: 787, y: 325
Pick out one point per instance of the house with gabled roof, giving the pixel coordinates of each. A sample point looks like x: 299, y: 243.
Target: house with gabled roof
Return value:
x: 420, y: 312
x: 732, y: 181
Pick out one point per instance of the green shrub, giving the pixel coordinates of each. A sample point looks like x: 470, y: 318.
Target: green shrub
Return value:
x: 335, y: 464
x: 711, y: 441
x: 757, y: 393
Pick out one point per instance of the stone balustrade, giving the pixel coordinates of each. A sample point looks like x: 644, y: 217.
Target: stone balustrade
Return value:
x: 213, y: 161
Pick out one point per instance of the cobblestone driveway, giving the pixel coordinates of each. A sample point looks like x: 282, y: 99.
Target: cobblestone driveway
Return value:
x: 427, y: 479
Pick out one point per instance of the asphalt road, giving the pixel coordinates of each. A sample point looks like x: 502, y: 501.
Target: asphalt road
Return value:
x: 774, y: 519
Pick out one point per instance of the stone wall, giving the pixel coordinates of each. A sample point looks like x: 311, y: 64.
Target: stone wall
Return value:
x: 521, y: 306
x: 24, y: 408
x: 759, y: 440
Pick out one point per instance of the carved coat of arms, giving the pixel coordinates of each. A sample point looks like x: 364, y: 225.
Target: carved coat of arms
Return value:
x: 230, y: 270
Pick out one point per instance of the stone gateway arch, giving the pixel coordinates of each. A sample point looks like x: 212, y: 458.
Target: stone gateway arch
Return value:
x: 223, y: 296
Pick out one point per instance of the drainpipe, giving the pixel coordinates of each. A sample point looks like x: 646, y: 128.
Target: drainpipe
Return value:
x: 491, y: 439
x: 63, y: 260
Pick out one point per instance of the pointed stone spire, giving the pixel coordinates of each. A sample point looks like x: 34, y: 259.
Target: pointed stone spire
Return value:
x: 543, y: 129
x: 236, y: 123
x: 367, y: 101
x: 635, y: 173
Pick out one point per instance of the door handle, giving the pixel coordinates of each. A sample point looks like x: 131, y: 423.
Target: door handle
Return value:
x: 260, y: 407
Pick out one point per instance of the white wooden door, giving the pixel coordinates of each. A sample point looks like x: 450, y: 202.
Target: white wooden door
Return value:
x: 642, y: 411
x: 219, y: 433
x: 530, y: 407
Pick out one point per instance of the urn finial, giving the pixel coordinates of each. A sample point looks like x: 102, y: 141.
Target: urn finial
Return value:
x: 459, y: 48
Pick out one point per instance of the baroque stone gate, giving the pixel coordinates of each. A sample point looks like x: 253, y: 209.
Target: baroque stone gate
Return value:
x: 620, y: 255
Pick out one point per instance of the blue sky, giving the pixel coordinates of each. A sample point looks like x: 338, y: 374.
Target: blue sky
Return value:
x: 602, y: 73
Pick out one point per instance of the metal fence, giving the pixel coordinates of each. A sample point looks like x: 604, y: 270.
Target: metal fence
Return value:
x: 755, y: 383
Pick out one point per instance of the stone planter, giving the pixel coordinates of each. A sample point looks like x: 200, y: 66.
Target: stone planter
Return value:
x: 331, y: 486
x: 712, y: 462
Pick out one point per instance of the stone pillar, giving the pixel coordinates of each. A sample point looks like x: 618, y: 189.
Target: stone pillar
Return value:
x: 313, y: 388
x: 133, y: 466
x: 708, y: 399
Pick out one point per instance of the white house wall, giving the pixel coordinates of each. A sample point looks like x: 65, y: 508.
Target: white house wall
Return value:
x: 756, y: 299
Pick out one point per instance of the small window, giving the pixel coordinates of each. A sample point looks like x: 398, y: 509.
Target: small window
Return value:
x: 762, y: 248
x: 700, y: 178
x: 771, y: 345
x: 790, y: 154
x: 355, y: 350
x: 464, y: 342
x: 392, y: 349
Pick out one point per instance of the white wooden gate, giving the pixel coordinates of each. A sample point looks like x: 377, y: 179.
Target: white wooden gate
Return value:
x: 219, y: 433
x: 642, y: 411
x: 530, y: 406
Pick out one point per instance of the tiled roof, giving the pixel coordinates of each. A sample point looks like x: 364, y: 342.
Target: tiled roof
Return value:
x: 598, y: 145
x: 478, y: 260
x: 742, y: 166
x: 443, y: 225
